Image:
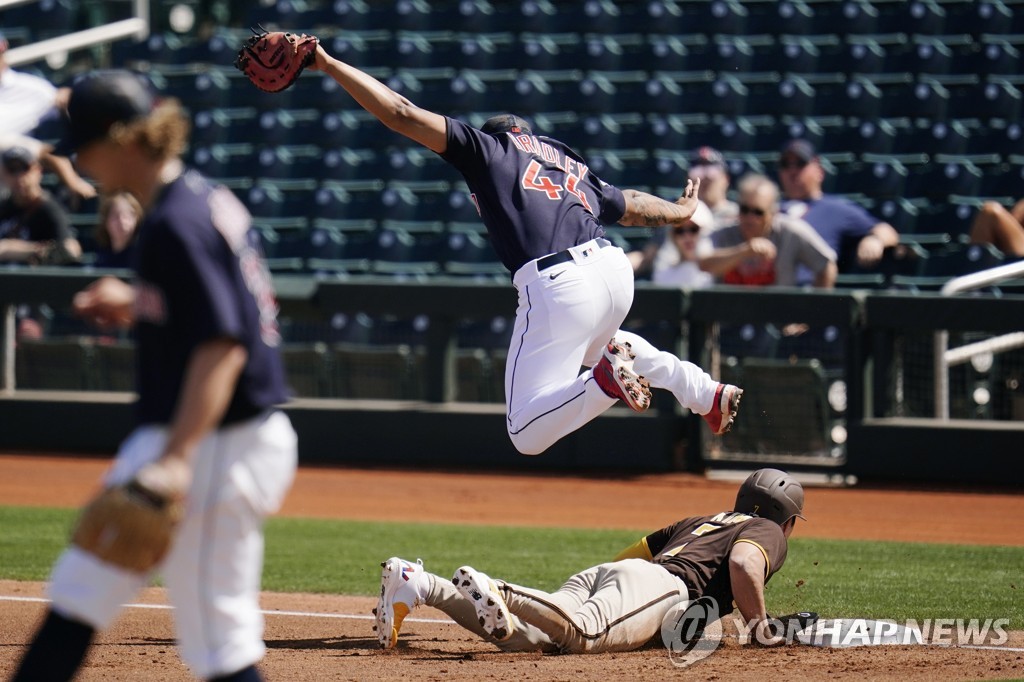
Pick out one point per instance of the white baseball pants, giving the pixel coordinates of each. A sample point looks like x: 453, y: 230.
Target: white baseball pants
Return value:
x: 565, y: 318
x: 617, y: 606
x: 213, y: 570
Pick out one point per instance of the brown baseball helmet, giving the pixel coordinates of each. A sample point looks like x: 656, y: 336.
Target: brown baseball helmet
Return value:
x: 771, y: 494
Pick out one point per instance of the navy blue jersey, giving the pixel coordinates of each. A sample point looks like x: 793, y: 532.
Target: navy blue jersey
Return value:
x: 199, y: 277
x: 535, y: 195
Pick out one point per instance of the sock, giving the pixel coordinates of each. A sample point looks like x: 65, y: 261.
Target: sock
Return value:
x: 57, y: 651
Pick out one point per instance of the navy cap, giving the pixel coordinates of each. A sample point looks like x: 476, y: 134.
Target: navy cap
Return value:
x: 101, y: 99
x: 707, y: 156
x: 506, y: 123
x: 801, y: 149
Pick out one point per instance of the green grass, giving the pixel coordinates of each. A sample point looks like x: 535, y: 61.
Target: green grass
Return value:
x: 834, y: 577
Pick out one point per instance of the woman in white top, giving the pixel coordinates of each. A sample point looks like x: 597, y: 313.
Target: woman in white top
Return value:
x: 686, y: 240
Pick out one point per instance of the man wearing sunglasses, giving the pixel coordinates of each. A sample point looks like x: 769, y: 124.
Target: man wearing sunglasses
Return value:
x: 840, y: 222
x: 767, y: 247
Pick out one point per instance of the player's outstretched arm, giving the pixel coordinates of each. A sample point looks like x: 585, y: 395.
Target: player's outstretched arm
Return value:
x: 391, y: 108
x: 647, y: 210
x: 747, y: 569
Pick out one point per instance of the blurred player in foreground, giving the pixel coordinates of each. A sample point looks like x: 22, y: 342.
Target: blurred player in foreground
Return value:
x: 618, y: 606
x: 209, y: 441
x: 543, y: 210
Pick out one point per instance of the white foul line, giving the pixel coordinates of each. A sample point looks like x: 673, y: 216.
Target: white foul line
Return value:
x: 300, y: 614
x: 353, y: 616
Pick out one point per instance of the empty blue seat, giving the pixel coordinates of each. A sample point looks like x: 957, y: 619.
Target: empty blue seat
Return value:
x: 610, y: 91
x: 804, y: 54
x: 346, y: 163
x: 1005, y: 180
x: 1000, y: 55
x: 225, y: 160
x: 348, y: 199
x: 857, y: 96
x: 622, y: 167
x: 947, y: 175
x: 424, y: 200
x: 281, y: 198
x: 358, y: 15
x: 289, y: 126
x: 963, y: 259
x: 469, y: 252
x: 289, y: 162
x: 424, y: 49
x: 223, y: 125
x: 677, y: 131
x: 875, y: 176
x: 868, y: 136
x: 952, y: 216
x: 619, y: 51
x: 939, y: 137
x: 354, y: 128
x: 688, y: 52
x: 461, y: 206
x: 678, y: 92
x: 849, y: 17
x: 899, y: 212
x: 487, y: 89
x: 415, y: 163
x: 997, y: 97
x: 400, y: 252
x: 544, y: 51
x: 614, y: 131
x: 488, y: 50
x: 790, y: 17
x: 865, y: 53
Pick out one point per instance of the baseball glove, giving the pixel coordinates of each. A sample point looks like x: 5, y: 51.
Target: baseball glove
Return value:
x: 131, y: 525
x: 272, y: 61
x: 793, y: 623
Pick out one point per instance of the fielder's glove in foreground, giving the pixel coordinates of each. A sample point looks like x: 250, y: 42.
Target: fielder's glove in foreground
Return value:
x: 272, y: 61
x: 131, y: 525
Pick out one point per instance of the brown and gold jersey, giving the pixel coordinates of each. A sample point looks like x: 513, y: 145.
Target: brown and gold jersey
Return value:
x: 697, y: 550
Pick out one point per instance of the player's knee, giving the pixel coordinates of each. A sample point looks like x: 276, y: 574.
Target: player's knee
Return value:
x: 527, y: 445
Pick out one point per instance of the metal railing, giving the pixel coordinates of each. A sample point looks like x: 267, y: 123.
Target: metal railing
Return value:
x: 946, y: 357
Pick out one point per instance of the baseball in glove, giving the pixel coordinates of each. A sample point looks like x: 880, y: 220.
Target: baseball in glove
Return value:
x: 131, y: 525
x: 274, y: 60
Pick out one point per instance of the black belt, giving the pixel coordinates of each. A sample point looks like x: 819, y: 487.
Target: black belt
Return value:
x: 564, y: 256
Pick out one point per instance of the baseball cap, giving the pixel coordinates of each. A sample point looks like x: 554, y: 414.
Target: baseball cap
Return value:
x: 17, y: 159
x: 101, y: 99
x: 506, y: 123
x: 707, y: 156
x: 801, y: 149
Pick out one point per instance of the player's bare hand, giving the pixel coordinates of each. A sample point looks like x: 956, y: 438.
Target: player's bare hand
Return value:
x: 108, y: 303
x: 762, y: 248
x: 869, y: 250
x: 764, y: 635
x: 688, y: 200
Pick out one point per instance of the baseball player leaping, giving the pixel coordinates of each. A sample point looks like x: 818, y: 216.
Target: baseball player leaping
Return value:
x: 543, y: 209
x: 618, y: 606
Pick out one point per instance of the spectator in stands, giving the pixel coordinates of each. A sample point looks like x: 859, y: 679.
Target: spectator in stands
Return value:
x: 839, y: 221
x: 687, y: 240
x: 34, y: 228
x: 115, y: 233
x: 661, y: 253
x: 25, y: 101
x: 1002, y: 228
x: 766, y: 246
x: 708, y: 165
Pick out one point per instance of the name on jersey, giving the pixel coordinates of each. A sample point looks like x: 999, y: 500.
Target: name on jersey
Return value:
x: 532, y: 145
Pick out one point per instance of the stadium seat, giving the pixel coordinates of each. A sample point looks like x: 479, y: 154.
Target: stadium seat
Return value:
x: 743, y: 53
x: 622, y: 167
x: 359, y: 15
x: 790, y: 17
x: 688, y: 52
x: 346, y: 163
x: 951, y: 217
x: 461, y: 207
x: 803, y: 53
x: 550, y: 51
x: 997, y: 97
x: 857, y: 96
x: 610, y: 91
x: 484, y: 16
x: 225, y: 160
x: 348, y: 199
x: 963, y: 259
x: 1005, y: 180
x: 421, y: 200
x: 290, y: 162
x: 223, y: 125
x: 946, y: 175
x: 405, y: 248
x: 113, y: 366
x: 824, y: 132
x: 357, y: 128
x: 876, y: 176
x: 424, y: 49
x: 281, y: 197
x: 679, y: 92
x: 469, y: 253
x: 618, y: 51
x: 868, y: 136
x: 488, y: 89
x: 742, y: 133
x: 938, y: 137
x: 899, y: 212
x: 364, y: 48
x: 289, y: 126
x: 613, y: 131
x: 1000, y: 55
x: 488, y: 51
x: 415, y: 163
x: 475, y: 378
x: 864, y: 54
x: 850, y: 17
